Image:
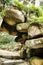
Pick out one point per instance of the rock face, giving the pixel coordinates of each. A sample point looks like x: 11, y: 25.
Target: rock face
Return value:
x: 34, y: 47
x: 4, y: 61
x: 8, y: 54
x: 26, y: 42
x: 35, y: 43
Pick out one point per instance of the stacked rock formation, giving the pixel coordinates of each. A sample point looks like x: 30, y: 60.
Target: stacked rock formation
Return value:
x: 29, y: 38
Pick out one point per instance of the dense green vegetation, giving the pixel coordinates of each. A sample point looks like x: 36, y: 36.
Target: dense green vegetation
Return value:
x: 6, y: 41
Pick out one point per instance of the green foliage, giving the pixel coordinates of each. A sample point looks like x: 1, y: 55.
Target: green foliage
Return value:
x: 40, y: 19
x: 21, y: 6
x: 5, y: 38
x: 2, y: 13
x: 36, y: 10
x: 36, y: 19
x: 36, y: 14
x: 7, y: 1
x: 7, y: 41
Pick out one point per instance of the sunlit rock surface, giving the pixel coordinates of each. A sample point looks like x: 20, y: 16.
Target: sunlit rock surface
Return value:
x: 36, y: 61
x: 13, y: 16
x: 35, y: 30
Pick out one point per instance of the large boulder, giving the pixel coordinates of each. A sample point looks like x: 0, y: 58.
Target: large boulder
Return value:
x: 35, y: 30
x: 13, y: 16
